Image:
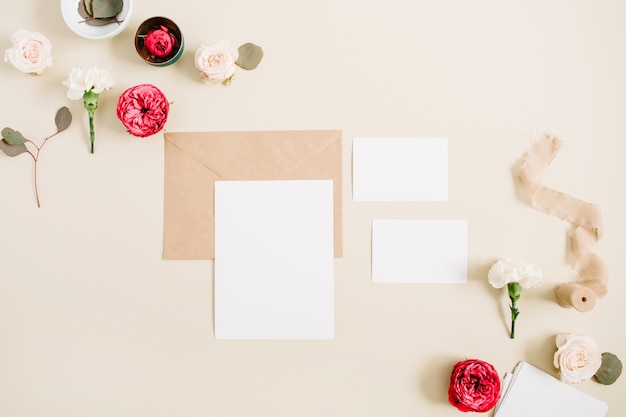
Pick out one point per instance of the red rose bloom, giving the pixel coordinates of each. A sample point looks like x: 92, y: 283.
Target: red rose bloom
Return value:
x: 159, y: 42
x: 474, y: 386
x: 143, y: 110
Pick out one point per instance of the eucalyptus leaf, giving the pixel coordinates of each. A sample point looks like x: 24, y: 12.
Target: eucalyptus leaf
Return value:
x: 12, y: 150
x: 13, y: 137
x: 250, y: 56
x: 610, y: 369
x: 82, y: 10
x: 100, y: 12
x: 63, y: 119
x: 102, y: 9
x: 88, y: 7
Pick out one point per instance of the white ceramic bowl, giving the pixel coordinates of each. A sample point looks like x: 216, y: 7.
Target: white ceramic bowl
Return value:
x: 69, y: 9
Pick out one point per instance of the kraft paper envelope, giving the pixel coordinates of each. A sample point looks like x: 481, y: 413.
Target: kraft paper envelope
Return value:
x: 195, y: 160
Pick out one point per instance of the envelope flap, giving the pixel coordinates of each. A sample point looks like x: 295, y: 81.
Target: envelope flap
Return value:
x: 254, y: 155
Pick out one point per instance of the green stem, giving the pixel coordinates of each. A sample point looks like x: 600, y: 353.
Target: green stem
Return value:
x: 515, y: 292
x: 92, y: 132
x: 36, y: 187
x: 514, y: 314
x: 90, y: 101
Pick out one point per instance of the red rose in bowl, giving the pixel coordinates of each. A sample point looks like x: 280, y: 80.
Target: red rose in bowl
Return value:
x: 474, y: 386
x: 160, y: 42
x: 143, y: 110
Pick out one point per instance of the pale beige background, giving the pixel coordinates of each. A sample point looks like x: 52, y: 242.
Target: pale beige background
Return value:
x: 94, y: 323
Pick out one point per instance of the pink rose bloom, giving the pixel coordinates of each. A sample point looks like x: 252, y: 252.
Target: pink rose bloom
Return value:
x: 577, y: 358
x: 143, y: 110
x: 474, y: 386
x: 160, y: 42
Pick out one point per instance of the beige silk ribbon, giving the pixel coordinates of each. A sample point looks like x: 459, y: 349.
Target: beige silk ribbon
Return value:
x: 586, y: 218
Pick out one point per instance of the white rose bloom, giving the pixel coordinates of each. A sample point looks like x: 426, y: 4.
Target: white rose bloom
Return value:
x: 577, y: 358
x: 511, y: 270
x: 82, y: 80
x: 216, y: 62
x: 31, y: 52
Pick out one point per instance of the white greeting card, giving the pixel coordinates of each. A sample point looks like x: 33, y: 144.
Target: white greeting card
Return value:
x: 274, y: 276
x: 390, y: 169
x: 528, y: 391
x: 419, y: 251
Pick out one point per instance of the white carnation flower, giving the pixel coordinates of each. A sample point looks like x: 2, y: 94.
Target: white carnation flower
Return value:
x: 83, y: 80
x: 515, y: 275
x: 509, y: 270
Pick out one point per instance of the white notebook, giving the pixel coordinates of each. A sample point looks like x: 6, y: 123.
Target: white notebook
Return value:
x: 529, y: 391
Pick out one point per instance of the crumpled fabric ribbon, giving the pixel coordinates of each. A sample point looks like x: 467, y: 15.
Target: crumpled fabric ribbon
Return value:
x: 586, y: 218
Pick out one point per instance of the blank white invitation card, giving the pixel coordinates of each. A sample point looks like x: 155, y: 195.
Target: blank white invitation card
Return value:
x: 419, y: 251
x: 274, y: 262
x: 390, y: 169
x: 529, y: 391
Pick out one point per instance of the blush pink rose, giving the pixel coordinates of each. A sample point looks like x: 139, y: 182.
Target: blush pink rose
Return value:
x: 577, y: 358
x: 160, y: 42
x: 143, y: 110
x: 31, y: 52
x: 474, y: 386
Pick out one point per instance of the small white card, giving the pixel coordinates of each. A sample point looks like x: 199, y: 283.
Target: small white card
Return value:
x: 419, y: 251
x: 400, y: 169
x: 274, y: 262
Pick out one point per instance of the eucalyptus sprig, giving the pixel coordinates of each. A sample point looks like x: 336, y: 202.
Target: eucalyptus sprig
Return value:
x: 13, y: 143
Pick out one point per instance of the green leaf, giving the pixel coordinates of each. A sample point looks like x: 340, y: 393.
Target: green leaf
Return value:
x: 250, y: 56
x: 89, y: 7
x: 12, y: 150
x: 13, y: 137
x: 63, y: 119
x: 103, y: 9
x: 84, y: 9
x: 610, y: 369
